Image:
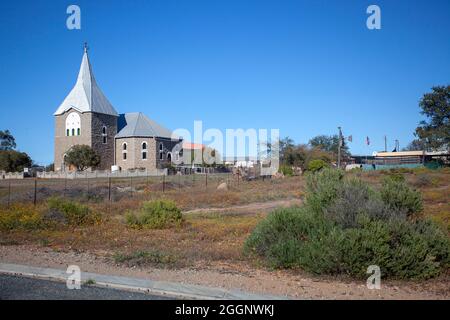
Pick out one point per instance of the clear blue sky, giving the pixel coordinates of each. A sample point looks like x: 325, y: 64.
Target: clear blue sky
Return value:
x: 304, y: 67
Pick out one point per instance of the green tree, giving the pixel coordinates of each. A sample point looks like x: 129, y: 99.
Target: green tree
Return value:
x: 435, y: 130
x: 82, y: 157
x: 330, y: 144
x: 416, y: 145
x: 14, y: 161
x: 7, y: 141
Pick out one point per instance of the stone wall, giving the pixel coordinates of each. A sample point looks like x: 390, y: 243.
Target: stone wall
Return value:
x: 168, y: 146
x: 134, y: 153
x: 63, y: 143
x: 105, y: 150
x: 91, y: 135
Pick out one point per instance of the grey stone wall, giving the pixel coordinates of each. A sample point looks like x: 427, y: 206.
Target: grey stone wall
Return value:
x: 63, y: 143
x: 91, y: 135
x: 134, y: 153
x: 168, y: 146
x: 105, y: 150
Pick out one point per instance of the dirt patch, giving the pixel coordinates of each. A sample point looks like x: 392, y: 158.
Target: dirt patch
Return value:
x: 292, y: 284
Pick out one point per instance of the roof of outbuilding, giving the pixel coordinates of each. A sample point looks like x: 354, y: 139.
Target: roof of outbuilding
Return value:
x: 86, y: 96
x: 136, y: 124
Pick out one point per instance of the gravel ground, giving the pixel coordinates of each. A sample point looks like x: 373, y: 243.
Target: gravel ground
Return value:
x: 292, y: 284
x: 21, y: 288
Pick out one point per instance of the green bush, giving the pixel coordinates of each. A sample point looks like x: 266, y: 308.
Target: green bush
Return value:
x: 354, y: 198
x: 286, y: 170
x: 322, y: 188
x: 316, y: 165
x: 21, y: 217
x: 399, y: 196
x: 345, y: 226
x: 73, y: 213
x: 158, y: 214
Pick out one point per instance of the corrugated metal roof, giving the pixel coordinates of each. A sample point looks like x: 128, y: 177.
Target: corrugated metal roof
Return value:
x: 86, y: 96
x: 136, y: 124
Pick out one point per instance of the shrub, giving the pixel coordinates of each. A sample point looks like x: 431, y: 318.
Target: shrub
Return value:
x: 279, y: 237
x: 399, y: 196
x: 158, y: 214
x: 74, y: 214
x: 354, y: 198
x: 346, y: 226
x: 322, y: 188
x: 291, y: 238
x: 286, y: 170
x: 316, y: 165
x: 20, y: 217
x: 423, y: 180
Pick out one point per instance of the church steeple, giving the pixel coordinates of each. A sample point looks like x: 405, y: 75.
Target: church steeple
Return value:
x: 86, y: 95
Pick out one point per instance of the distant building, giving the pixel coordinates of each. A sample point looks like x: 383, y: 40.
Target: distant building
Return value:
x: 129, y: 140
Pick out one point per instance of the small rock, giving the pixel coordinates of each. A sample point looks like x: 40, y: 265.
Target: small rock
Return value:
x: 222, y: 186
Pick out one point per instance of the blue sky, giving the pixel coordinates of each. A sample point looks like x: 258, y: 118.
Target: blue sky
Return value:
x: 304, y: 67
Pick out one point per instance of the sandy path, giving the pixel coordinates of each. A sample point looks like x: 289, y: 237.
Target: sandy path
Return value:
x: 249, y: 208
x: 292, y: 284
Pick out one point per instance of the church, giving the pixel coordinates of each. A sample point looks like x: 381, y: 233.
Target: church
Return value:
x: 127, y: 141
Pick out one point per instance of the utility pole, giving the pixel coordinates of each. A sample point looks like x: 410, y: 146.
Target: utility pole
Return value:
x: 339, y: 147
x: 385, y: 144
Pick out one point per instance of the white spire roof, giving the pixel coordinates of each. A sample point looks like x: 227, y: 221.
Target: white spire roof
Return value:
x: 86, y: 96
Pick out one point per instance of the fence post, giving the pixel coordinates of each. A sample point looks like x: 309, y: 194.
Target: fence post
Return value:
x: 9, y: 193
x: 109, y: 188
x: 131, y: 185
x: 35, y: 191
x: 164, y: 183
x: 206, y: 179
x: 65, y: 186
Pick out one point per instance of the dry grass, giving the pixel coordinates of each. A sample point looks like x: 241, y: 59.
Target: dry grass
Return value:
x: 204, y: 238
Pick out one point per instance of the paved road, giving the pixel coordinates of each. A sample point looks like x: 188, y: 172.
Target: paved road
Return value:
x: 21, y: 288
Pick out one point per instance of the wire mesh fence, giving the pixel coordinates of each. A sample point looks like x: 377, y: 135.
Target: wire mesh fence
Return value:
x: 35, y: 190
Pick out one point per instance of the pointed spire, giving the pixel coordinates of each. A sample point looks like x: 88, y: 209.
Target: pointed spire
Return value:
x: 86, y: 96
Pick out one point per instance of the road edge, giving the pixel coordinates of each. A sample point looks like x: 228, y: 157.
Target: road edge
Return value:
x: 161, y: 288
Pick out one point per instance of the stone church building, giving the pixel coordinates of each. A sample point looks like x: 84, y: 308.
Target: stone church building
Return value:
x: 129, y: 141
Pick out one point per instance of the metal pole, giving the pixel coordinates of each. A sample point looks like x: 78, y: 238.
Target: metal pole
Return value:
x: 385, y: 144
x: 9, y: 193
x: 339, y: 148
x: 65, y: 186
x: 35, y: 191
x: 164, y: 183
x: 109, y: 188
x: 206, y: 180
x: 131, y: 185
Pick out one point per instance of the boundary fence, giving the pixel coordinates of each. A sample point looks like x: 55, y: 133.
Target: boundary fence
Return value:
x: 96, y: 189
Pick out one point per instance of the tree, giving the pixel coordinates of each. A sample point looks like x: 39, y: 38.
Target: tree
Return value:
x: 82, y: 157
x: 435, y: 130
x: 330, y: 144
x: 416, y: 145
x: 7, y: 141
x: 14, y: 161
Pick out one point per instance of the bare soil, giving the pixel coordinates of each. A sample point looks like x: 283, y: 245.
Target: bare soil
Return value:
x: 291, y: 284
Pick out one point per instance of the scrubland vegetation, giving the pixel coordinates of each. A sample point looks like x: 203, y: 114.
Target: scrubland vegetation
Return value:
x: 397, y: 219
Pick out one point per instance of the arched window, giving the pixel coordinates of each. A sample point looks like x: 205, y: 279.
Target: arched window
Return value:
x: 73, y: 124
x: 160, y: 151
x: 144, y: 150
x: 78, y: 132
x: 104, y: 135
x: 124, y: 151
